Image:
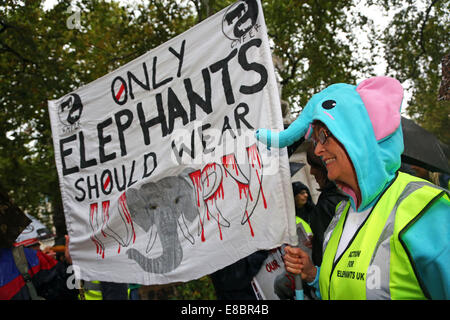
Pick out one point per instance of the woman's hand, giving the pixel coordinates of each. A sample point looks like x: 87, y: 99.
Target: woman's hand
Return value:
x: 297, y: 261
x: 66, y: 252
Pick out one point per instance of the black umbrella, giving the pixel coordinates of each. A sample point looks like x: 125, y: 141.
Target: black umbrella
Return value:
x: 422, y: 148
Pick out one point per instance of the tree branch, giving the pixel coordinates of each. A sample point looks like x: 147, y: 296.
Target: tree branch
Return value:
x: 5, y: 48
x: 293, y: 71
x: 423, y: 25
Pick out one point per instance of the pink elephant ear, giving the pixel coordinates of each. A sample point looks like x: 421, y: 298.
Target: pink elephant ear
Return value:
x: 382, y: 97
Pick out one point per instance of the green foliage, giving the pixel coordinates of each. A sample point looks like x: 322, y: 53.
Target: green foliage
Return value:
x: 416, y: 41
x: 200, y: 289
x: 315, y: 41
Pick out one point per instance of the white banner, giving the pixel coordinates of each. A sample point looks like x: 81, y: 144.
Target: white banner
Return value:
x: 161, y: 177
x: 272, y: 270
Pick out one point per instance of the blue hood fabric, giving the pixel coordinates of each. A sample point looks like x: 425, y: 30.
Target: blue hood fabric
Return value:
x: 355, y: 115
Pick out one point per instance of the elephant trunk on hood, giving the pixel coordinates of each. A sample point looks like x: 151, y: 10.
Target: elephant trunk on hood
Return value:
x: 284, y: 138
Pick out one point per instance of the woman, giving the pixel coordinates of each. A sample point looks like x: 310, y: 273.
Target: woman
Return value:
x: 389, y: 239
x: 303, y: 201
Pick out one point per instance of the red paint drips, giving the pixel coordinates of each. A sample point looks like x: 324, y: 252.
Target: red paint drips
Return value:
x: 105, y: 214
x: 253, y: 154
x: 123, y: 205
x: 249, y: 224
x: 262, y: 191
x: 230, y: 160
x: 196, y: 180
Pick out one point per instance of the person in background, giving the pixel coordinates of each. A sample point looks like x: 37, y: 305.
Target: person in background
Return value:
x: 34, y: 275
x: 103, y: 290
x: 25, y: 273
x: 303, y: 204
x: 134, y: 291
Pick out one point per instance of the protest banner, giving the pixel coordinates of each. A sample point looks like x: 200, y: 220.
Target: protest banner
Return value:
x: 161, y: 177
x: 272, y: 270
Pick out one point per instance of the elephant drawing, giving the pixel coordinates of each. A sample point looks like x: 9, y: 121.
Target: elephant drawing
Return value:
x: 160, y: 208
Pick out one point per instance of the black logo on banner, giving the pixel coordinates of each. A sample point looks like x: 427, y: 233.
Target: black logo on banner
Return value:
x: 69, y: 112
x: 239, y: 19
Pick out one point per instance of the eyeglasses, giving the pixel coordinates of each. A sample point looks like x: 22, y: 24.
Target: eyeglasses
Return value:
x: 322, y: 137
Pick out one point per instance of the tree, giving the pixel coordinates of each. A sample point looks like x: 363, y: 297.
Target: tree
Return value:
x: 415, y: 42
x: 41, y: 58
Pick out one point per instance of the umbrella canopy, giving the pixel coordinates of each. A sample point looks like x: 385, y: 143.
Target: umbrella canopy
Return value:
x: 422, y: 148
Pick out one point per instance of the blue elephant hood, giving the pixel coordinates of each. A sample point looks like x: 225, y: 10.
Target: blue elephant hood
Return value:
x: 365, y: 119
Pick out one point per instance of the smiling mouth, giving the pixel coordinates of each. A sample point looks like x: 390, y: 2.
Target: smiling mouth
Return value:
x: 328, y: 161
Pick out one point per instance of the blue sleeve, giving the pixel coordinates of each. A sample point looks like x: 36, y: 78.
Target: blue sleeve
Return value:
x: 428, y: 242
x: 315, y: 284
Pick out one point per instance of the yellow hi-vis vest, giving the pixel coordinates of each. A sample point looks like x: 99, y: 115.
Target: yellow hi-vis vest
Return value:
x: 92, y: 290
x: 304, y: 224
x: 375, y: 264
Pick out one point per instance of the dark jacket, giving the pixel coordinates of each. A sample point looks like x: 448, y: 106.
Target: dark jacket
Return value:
x: 234, y: 281
x: 321, y: 216
x: 48, y: 276
x: 306, y: 211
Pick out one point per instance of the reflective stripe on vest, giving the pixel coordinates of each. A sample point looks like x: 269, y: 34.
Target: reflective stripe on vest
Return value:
x: 375, y: 264
x: 92, y: 290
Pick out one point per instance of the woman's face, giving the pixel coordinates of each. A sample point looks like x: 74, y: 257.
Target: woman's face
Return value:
x: 301, y: 198
x: 335, y: 157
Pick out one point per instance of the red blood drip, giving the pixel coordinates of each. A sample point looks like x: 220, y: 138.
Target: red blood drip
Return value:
x: 105, y: 211
x: 98, y: 246
x: 220, y: 230
x: 249, y: 224
x: 196, y: 178
x: 253, y: 155
x: 245, y: 188
x: 203, y: 230
x: 217, y: 194
x: 94, y: 207
x: 105, y: 207
x: 229, y: 160
x: 95, y: 242
x: 262, y: 191
x: 210, y: 167
x: 123, y: 205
